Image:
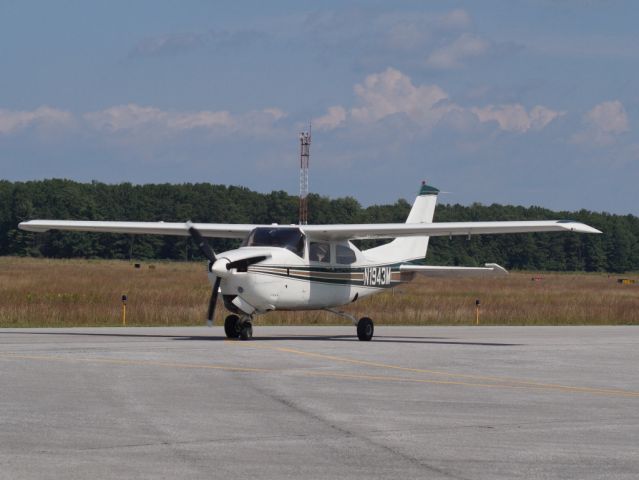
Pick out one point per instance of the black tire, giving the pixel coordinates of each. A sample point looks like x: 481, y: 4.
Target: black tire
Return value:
x: 230, y: 326
x: 365, y: 329
x: 246, y: 332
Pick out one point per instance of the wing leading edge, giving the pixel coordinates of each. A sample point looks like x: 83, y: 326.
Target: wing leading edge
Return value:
x: 445, y: 229
x: 327, y: 232
x: 217, y: 230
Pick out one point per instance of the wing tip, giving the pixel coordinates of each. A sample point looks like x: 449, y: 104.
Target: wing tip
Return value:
x: 581, y: 228
x: 578, y: 227
x: 31, y: 226
x: 496, y: 268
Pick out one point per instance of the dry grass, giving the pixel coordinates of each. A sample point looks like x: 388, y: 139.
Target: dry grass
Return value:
x: 56, y: 293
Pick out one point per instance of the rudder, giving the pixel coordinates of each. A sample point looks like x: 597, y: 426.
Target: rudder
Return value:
x: 405, y: 249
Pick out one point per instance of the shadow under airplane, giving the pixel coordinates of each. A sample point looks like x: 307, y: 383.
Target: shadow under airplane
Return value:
x: 332, y: 338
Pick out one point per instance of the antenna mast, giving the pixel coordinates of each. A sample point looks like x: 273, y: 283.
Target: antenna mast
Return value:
x: 305, y: 155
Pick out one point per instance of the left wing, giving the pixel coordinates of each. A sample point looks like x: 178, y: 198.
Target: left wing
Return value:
x: 444, y: 229
x: 491, y: 269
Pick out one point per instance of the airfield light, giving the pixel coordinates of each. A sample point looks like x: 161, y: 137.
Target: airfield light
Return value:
x: 124, y: 299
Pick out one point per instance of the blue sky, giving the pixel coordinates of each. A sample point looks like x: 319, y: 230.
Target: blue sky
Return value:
x: 530, y: 103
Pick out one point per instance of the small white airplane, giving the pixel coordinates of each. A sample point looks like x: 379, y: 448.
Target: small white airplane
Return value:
x: 313, y: 267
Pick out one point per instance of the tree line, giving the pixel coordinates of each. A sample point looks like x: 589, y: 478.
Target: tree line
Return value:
x: 616, y: 250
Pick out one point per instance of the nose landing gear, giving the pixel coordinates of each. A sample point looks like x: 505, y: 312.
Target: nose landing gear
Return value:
x: 236, y: 327
x: 246, y: 331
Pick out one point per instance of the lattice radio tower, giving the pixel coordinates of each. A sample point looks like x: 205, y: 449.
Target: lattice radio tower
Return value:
x: 305, y: 155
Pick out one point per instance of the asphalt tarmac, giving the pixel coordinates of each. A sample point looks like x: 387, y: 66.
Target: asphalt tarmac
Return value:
x: 314, y: 402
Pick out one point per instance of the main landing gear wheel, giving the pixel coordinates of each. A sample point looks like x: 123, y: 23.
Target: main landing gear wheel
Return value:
x: 365, y: 329
x: 231, y: 326
x: 246, y: 331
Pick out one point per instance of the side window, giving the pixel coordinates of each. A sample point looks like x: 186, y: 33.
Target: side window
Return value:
x: 344, y: 254
x: 319, y: 252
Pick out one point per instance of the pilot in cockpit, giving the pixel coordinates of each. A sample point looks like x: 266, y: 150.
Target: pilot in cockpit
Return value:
x: 319, y: 252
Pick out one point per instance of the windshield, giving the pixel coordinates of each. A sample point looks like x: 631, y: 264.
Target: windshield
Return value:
x: 289, y: 238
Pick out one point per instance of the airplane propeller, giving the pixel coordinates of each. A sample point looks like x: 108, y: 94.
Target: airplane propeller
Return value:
x: 208, y: 252
x: 213, y: 301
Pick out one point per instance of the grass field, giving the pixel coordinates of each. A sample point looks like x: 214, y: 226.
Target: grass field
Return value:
x: 64, y: 293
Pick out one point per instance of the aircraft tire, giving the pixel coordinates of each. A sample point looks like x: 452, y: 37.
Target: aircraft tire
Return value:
x: 365, y: 329
x: 246, y: 331
x: 230, y: 326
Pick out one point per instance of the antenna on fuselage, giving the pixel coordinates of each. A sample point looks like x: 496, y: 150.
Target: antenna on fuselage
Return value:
x: 305, y: 155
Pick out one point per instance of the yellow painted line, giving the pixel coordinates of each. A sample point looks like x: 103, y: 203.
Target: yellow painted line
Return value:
x: 316, y: 373
x: 310, y: 373
x: 595, y: 391
x: 501, y: 380
x: 621, y: 393
x: 119, y: 361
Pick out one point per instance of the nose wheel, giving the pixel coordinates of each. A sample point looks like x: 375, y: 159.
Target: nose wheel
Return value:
x: 236, y: 327
x: 230, y: 326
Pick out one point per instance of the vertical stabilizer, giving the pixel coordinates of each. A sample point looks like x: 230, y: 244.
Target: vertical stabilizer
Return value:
x: 409, y: 248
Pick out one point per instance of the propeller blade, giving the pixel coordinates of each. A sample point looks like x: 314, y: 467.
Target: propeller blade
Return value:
x: 202, y: 244
x: 213, y: 301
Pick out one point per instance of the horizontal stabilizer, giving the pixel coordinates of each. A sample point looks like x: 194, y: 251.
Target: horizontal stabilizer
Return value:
x: 491, y: 269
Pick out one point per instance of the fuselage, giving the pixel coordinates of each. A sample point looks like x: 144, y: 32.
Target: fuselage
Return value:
x: 303, y: 274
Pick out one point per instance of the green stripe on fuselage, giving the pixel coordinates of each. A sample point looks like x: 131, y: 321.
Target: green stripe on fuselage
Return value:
x: 377, y: 276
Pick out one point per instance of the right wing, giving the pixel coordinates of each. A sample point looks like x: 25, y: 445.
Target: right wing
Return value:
x: 218, y: 230
x: 491, y: 269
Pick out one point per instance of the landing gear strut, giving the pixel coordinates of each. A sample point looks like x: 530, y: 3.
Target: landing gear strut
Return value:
x: 246, y: 331
x: 236, y: 327
x: 365, y: 327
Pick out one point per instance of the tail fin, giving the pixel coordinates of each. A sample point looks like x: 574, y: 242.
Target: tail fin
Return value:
x: 409, y: 248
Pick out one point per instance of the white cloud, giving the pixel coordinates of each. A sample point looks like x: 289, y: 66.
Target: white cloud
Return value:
x: 12, y: 121
x: 608, y: 117
x: 416, y: 32
x: 125, y: 117
x: 177, y: 43
x: 391, y: 92
x: 458, y: 18
x: 515, y: 118
x: 133, y: 117
x: 167, y: 44
x: 335, y: 116
x: 603, y: 124
x: 465, y: 46
x: 276, y: 113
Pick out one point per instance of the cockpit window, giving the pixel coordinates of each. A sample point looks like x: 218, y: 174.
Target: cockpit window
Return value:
x: 289, y: 238
x: 319, y: 252
x: 344, y: 254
